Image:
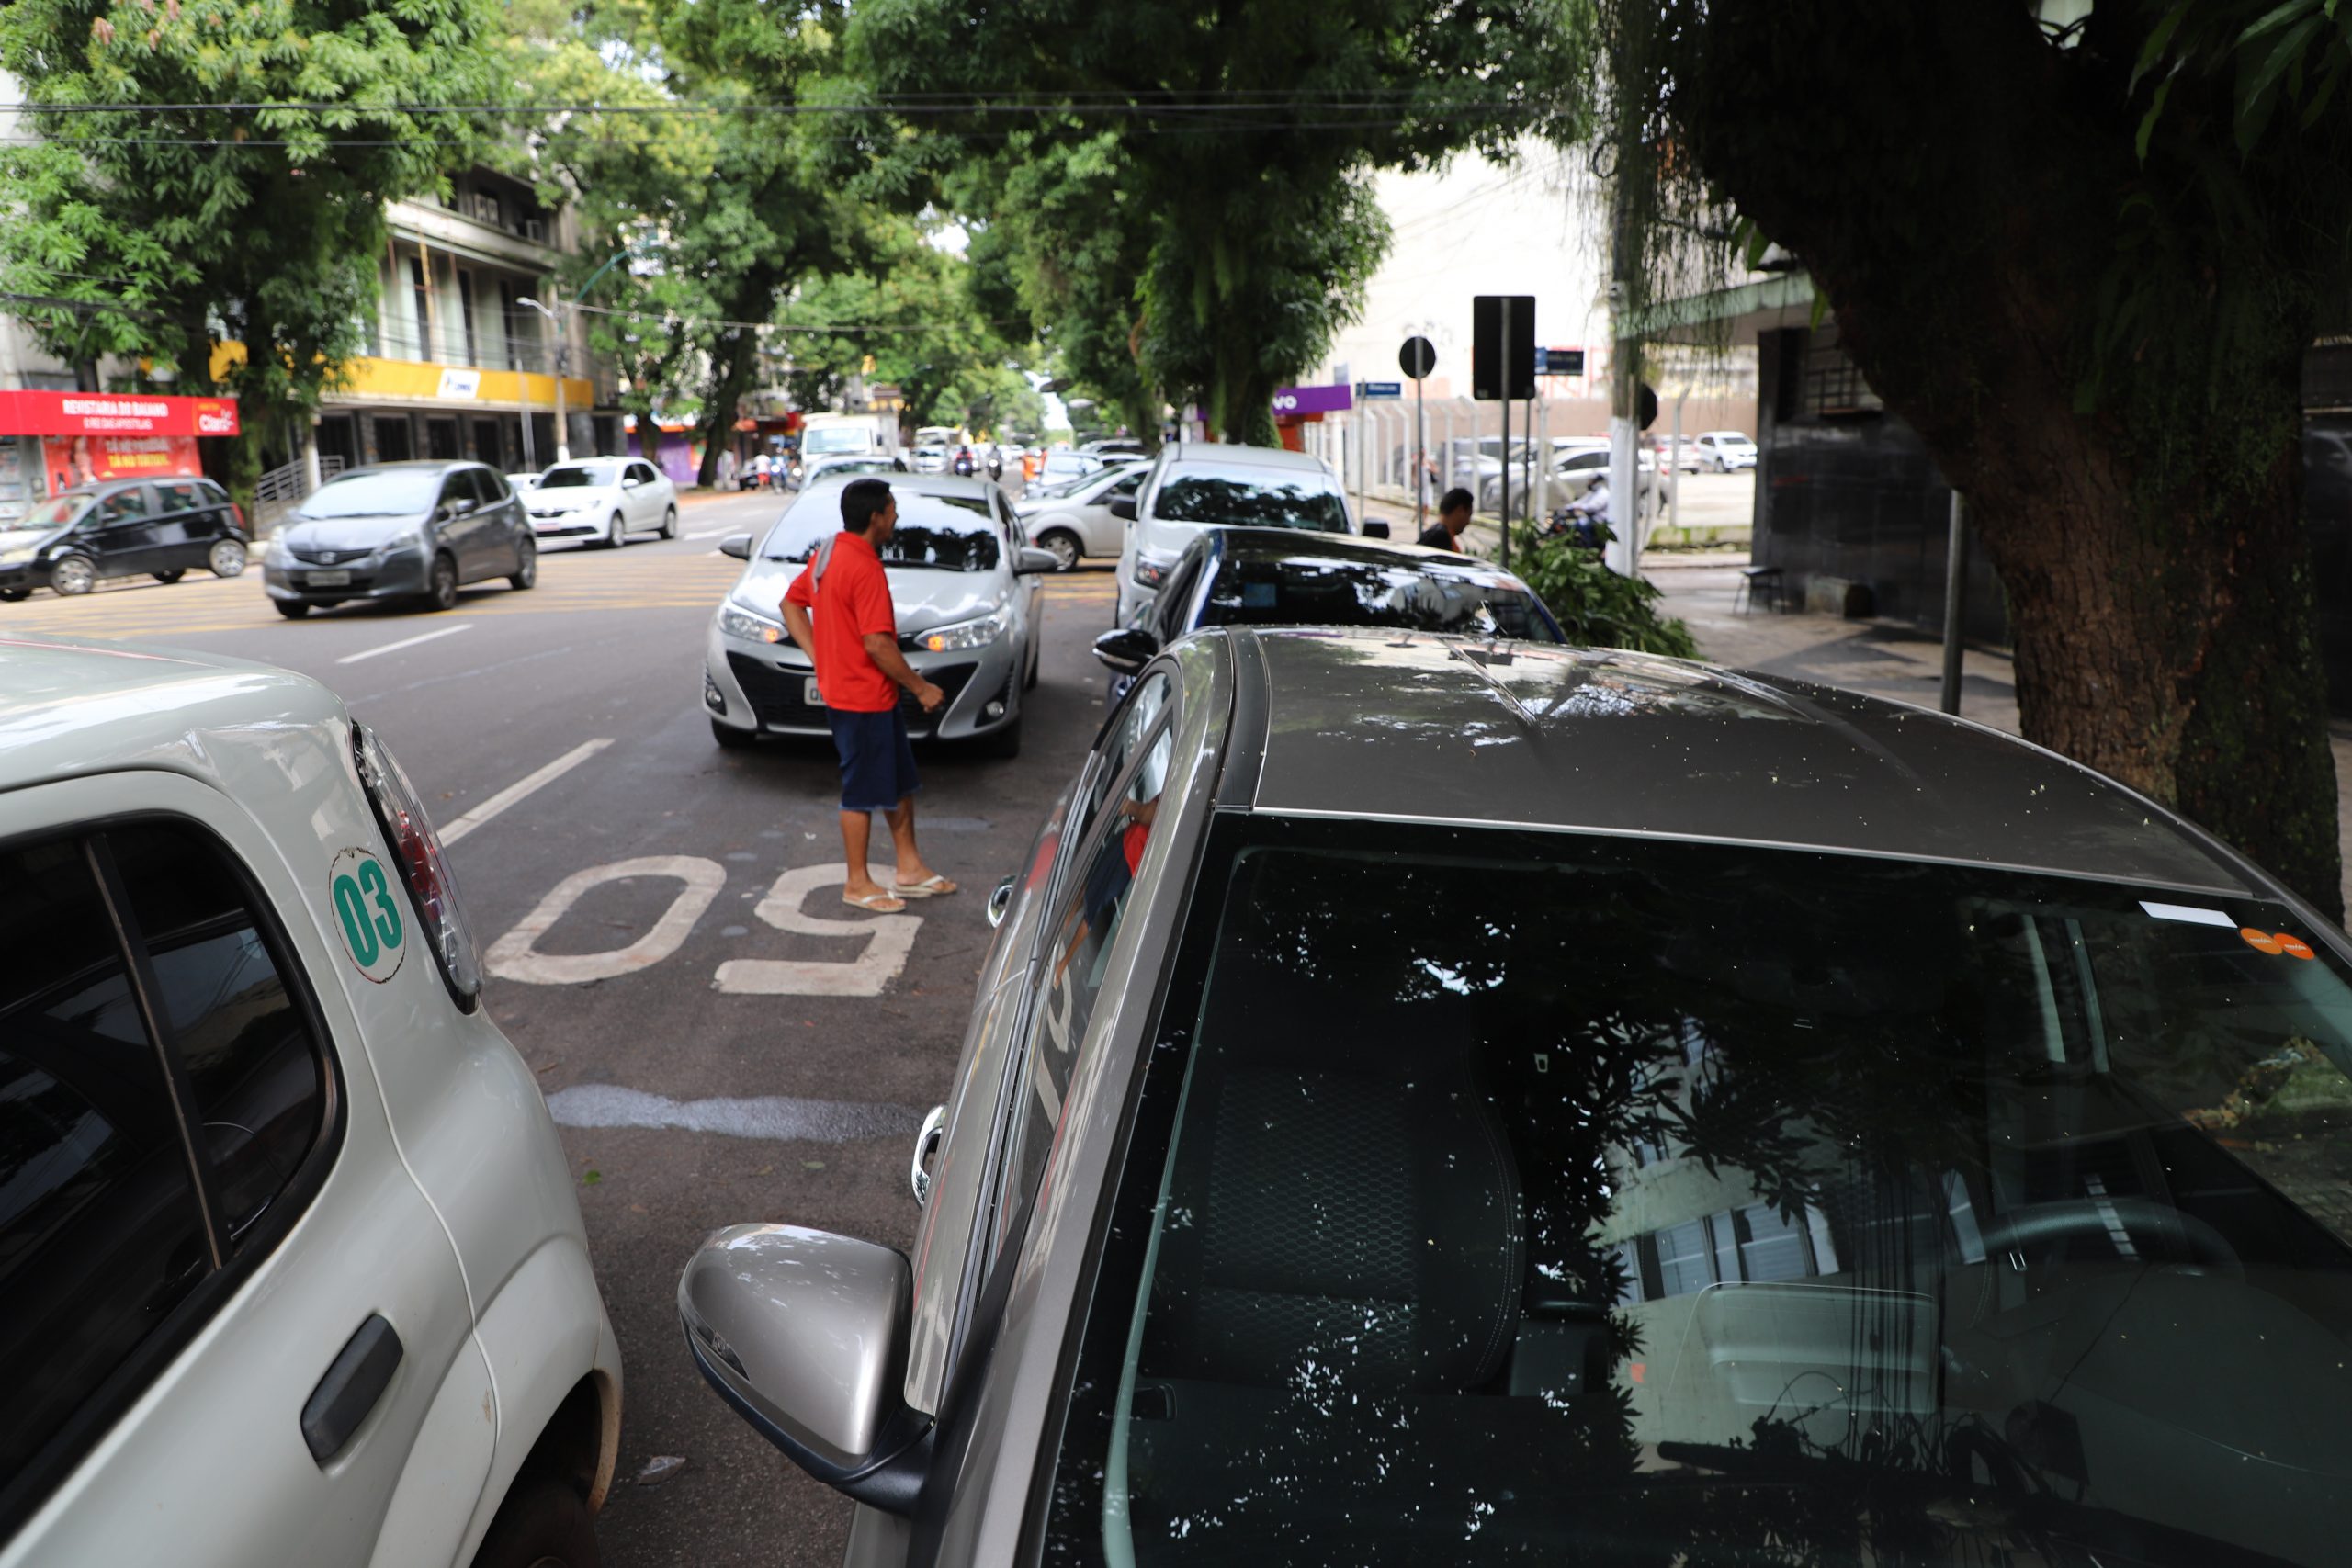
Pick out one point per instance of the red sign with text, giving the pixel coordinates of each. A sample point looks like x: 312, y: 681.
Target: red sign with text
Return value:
x: 84, y: 459
x: 115, y: 414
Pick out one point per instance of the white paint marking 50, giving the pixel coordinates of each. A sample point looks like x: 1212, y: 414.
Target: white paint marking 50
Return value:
x: 516, y: 955
x: 888, y: 938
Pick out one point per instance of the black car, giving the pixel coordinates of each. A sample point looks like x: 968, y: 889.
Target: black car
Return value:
x: 401, y: 531
x: 1282, y: 577
x: 157, y: 528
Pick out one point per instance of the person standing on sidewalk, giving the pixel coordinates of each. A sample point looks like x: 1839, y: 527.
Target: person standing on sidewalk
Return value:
x: 1452, y: 522
x: 839, y: 611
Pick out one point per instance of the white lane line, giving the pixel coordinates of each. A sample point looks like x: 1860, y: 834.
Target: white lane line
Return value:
x: 712, y: 533
x: 520, y: 788
x: 406, y: 642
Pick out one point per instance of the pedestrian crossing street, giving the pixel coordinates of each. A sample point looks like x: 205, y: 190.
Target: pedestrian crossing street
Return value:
x: 569, y: 581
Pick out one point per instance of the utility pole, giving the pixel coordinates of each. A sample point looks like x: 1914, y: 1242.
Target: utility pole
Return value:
x: 1955, y: 602
x: 1624, y: 552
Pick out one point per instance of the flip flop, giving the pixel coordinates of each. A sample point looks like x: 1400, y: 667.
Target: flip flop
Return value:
x: 876, y: 903
x: 932, y: 886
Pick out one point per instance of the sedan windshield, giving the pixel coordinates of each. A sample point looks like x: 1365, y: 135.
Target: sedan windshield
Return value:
x: 55, y: 513
x: 375, y: 493
x: 1251, y: 498
x: 949, y: 533
x: 1513, y: 1197
x: 580, y: 476
x: 1311, y: 593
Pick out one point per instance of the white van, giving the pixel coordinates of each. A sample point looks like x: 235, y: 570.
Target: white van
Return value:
x: 848, y: 435
x: 1196, y: 485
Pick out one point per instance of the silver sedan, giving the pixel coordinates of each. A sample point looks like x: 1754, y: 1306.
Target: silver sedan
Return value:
x: 966, y: 593
x: 1466, y: 1103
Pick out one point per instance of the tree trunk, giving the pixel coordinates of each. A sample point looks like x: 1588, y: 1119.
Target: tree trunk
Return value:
x: 734, y: 374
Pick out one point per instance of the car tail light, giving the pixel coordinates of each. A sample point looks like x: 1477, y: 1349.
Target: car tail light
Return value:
x: 417, y: 848
x: 239, y: 513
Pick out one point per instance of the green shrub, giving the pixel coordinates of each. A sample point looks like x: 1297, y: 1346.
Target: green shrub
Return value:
x: 1595, y: 607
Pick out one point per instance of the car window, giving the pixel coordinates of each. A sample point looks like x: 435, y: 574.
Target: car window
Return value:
x: 457, y: 490
x: 181, y: 495
x: 212, y: 494
x: 1648, y: 1197
x: 373, y: 493
x: 1125, y: 486
x: 950, y: 533
x: 490, y: 487
x: 1067, y: 976
x: 123, y: 505
x: 1127, y: 729
x: 1245, y: 497
x: 1170, y: 610
x: 253, y: 1067
x: 1312, y: 592
x: 100, y: 1234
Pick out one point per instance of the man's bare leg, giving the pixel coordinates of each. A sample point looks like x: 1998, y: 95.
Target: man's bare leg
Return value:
x: 857, y: 828
x: 911, y: 869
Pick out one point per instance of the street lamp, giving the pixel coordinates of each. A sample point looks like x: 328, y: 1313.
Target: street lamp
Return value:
x: 562, y: 437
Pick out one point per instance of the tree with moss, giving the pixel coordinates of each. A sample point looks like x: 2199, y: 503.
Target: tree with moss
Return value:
x: 2084, y: 261
x: 208, y: 185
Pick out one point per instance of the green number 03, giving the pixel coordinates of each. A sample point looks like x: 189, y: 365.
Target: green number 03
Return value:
x: 370, y: 936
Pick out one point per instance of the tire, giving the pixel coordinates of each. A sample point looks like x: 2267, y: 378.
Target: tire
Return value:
x: 72, y: 576
x: 441, y: 590
x: 731, y: 738
x: 168, y: 578
x: 292, y: 609
x: 1003, y: 743
x: 227, y: 558
x: 542, y: 1524
x: 15, y: 595
x: 616, y: 533
x: 670, y: 524
x: 1063, y: 546
x: 526, y: 567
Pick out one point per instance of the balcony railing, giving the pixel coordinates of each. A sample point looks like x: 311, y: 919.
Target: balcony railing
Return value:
x: 455, y: 346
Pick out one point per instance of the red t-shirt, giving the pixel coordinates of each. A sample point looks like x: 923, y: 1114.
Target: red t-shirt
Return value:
x: 850, y: 605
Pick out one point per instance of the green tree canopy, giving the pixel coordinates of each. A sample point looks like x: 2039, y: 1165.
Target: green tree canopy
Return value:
x: 249, y: 207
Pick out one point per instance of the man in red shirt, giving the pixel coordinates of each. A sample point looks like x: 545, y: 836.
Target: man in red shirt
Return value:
x: 853, y: 643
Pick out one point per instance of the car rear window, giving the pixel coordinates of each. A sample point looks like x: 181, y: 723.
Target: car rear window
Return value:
x: 1317, y: 593
x: 1251, y: 498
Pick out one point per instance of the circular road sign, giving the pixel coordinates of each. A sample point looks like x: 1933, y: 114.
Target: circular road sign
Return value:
x: 1416, y: 358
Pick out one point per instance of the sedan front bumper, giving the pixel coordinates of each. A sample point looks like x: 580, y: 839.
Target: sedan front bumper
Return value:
x: 762, y: 687
x: 379, y: 577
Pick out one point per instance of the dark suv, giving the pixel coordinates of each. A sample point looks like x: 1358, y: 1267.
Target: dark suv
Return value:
x: 122, y: 529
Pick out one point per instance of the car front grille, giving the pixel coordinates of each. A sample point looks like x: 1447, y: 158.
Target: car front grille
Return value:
x: 774, y: 695
x: 329, y: 557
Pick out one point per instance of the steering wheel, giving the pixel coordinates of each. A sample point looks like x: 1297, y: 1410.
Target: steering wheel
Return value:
x: 2155, y: 1225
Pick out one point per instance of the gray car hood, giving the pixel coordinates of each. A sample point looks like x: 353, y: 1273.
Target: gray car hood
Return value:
x: 923, y: 597
x: 349, y: 533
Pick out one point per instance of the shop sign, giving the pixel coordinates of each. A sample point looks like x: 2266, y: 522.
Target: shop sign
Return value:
x: 115, y: 414
x: 460, y: 384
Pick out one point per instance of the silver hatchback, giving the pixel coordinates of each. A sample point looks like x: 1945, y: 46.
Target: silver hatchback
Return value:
x: 1436, y: 1101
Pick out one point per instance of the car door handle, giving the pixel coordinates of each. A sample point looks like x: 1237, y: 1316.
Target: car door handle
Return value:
x: 355, y: 1380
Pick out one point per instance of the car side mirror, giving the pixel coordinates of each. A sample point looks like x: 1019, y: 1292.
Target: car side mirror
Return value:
x: 1029, y: 562
x: 805, y: 1333
x: 1124, y: 507
x: 1375, y: 530
x: 1126, y: 650
x: 632, y: 482
x: 736, y: 545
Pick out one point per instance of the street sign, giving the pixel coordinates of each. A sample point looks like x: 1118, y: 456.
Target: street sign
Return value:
x: 1502, y: 339
x: 1380, y: 389
x: 1312, y: 400
x: 1559, y: 362
x: 1416, y: 358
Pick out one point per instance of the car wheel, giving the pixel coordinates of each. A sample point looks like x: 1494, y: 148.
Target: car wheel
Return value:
x: 292, y: 609
x: 1062, y: 544
x: 1004, y: 742
x: 73, y: 575
x: 542, y: 1524
x: 13, y: 595
x: 616, y: 533
x: 670, y: 524
x: 526, y: 567
x: 227, y: 558
x: 731, y: 738
x: 441, y: 590
x: 172, y: 576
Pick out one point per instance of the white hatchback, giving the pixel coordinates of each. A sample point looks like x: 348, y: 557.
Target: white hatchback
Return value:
x: 291, y: 1267
x: 604, y: 500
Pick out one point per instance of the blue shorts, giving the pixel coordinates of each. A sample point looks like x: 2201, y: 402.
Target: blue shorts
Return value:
x: 878, y: 759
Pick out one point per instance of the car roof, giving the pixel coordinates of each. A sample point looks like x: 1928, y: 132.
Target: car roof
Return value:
x: 1226, y: 456
x: 1300, y: 544
x: 1411, y: 727
x: 435, y: 464
x: 72, y: 708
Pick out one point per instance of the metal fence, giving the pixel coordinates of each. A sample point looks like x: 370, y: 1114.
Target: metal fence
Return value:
x: 284, y: 488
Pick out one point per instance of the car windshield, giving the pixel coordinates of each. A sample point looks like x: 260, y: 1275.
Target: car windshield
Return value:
x: 947, y: 532
x: 1315, y: 593
x: 582, y: 476
x: 1513, y: 1197
x: 827, y: 438
x: 1251, y: 498
x: 375, y: 493
x: 54, y: 513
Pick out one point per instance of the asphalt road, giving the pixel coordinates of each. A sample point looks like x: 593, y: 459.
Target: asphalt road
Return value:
x: 690, y: 1104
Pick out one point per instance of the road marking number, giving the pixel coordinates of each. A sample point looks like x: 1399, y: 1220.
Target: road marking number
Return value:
x: 368, y: 913
x: 888, y: 938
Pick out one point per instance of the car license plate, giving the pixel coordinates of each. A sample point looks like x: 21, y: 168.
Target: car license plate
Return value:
x: 328, y: 579
x: 810, y: 695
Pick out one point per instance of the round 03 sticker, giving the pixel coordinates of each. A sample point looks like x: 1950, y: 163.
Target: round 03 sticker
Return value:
x: 367, y: 910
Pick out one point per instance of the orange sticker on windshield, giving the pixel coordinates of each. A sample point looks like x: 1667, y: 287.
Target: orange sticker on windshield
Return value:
x: 2261, y: 942
x: 2296, y: 947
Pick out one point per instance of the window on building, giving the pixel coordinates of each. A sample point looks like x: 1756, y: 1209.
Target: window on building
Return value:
x: 466, y: 312
x: 421, y: 294
x: 1833, y: 383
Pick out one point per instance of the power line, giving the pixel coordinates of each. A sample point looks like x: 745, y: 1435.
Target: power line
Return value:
x: 884, y: 104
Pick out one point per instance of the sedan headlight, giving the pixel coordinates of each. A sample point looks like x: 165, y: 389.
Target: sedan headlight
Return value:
x: 16, y: 557
x: 736, y: 621
x: 963, y: 634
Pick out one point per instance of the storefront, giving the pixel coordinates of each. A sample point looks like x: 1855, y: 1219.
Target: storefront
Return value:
x: 53, y: 441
